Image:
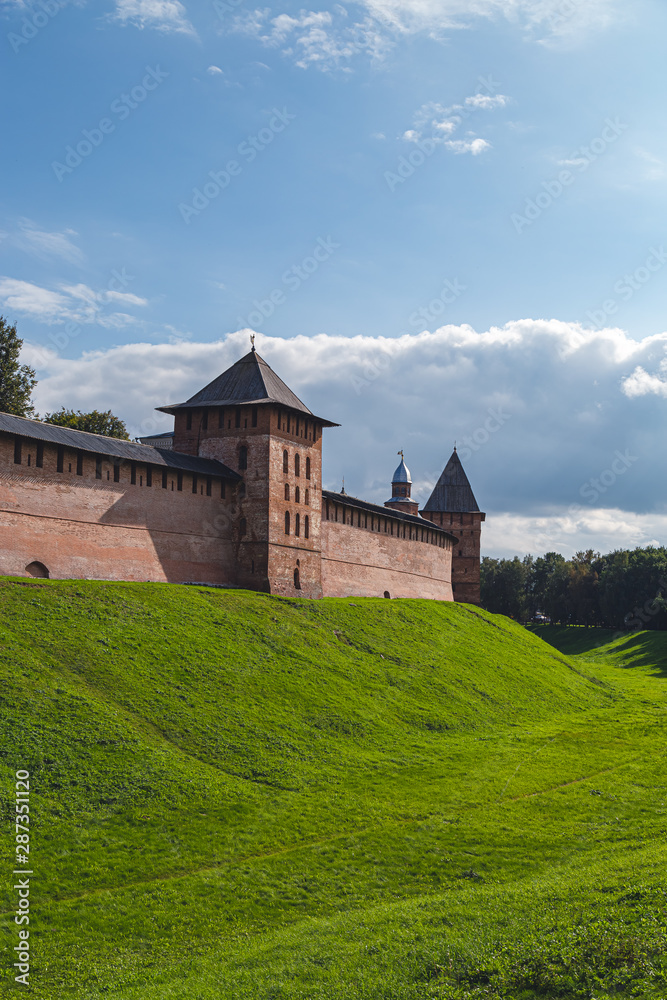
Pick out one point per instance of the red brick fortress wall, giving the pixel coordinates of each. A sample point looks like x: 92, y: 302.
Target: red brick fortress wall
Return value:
x: 466, y: 579
x: 363, y: 561
x: 82, y: 527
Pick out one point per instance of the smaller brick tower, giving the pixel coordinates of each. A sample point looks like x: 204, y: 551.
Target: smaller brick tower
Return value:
x: 401, y: 489
x: 452, y: 505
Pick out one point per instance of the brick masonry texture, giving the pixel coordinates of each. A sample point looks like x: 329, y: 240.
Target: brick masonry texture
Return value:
x: 271, y: 532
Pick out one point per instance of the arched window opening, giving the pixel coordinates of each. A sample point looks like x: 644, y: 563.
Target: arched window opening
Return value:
x: 297, y: 495
x: 287, y: 491
x: 306, y: 498
x: 308, y: 467
x: 287, y: 522
x: 243, y: 527
x: 306, y: 527
x: 297, y: 579
x: 297, y: 465
x: 243, y: 458
x: 37, y: 570
x: 387, y: 594
x: 297, y: 525
x: 285, y: 462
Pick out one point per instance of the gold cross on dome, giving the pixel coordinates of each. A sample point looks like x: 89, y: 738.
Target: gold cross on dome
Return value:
x: 252, y: 340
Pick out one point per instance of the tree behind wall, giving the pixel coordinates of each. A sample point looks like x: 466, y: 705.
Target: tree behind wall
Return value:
x: 95, y: 422
x: 16, y: 380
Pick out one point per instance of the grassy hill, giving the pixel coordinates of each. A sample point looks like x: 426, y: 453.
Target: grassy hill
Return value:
x: 243, y: 796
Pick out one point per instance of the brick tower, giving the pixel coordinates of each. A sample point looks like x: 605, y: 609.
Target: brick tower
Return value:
x: 452, y: 505
x: 250, y: 420
x: 401, y: 490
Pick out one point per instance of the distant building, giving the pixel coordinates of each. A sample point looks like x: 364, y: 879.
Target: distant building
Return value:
x: 233, y: 497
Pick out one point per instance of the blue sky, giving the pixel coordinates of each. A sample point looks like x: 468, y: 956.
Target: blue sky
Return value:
x: 383, y: 169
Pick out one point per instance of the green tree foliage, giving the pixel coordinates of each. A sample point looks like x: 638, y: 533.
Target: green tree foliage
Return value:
x: 622, y: 590
x: 504, y: 586
x: 17, y: 381
x: 95, y: 422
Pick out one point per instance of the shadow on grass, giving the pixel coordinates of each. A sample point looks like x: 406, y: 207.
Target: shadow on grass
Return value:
x: 646, y: 649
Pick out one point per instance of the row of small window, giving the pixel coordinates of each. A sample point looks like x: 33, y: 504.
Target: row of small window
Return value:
x: 297, y: 525
x: 298, y: 426
x: 385, y: 524
x: 224, y: 417
x: 297, y: 464
x: 199, y: 484
x: 297, y: 494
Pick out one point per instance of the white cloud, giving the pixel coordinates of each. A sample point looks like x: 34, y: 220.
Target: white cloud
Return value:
x: 68, y: 303
x: 474, y: 146
x: 327, y: 39
x: 546, y: 20
x: 168, y: 16
x: 321, y: 39
x: 558, y: 454
x: 485, y: 102
x: 45, y: 245
x: 436, y: 123
x: 602, y: 530
x: 641, y: 383
x: 215, y: 71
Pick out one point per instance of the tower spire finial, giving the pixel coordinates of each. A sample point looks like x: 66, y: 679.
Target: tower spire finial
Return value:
x: 252, y: 342
x: 401, y: 454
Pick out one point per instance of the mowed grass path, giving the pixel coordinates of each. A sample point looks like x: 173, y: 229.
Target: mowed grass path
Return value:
x: 243, y: 796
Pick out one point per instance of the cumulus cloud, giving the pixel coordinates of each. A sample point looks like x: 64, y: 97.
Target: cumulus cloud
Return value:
x: 328, y: 39
x: 641, y: 383
x: 474, y: 146
x: 66, y: 304
x: 320, y: 39
x: 436, y: 123
x: 167, y: 16
x: 558, y: 453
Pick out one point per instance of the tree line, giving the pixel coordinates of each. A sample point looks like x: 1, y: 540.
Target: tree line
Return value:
x: 18, y: 381
x: 626, y: 589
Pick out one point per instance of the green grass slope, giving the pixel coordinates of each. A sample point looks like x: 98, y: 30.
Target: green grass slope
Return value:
x: 241, y: 796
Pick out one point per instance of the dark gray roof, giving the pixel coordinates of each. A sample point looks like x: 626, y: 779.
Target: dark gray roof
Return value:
x: 453, y: 493
x: 374, y: 508
x: 249, y: 380
x: 98, y: 444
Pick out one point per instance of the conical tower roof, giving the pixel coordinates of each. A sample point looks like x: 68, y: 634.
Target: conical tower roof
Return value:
x: 251, y: 381
x: 453, y: 493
